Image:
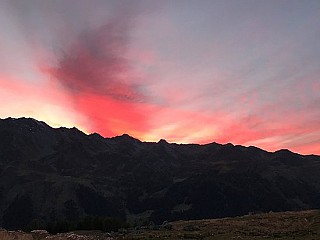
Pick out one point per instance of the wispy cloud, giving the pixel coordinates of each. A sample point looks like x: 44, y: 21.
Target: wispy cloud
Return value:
x: 242, y: 72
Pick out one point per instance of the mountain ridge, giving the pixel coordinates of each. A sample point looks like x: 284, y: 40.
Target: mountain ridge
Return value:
x: 50, y: 174
x: 125, y: 135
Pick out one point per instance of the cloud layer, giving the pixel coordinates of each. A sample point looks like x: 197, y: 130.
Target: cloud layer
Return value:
x: 242, y: 72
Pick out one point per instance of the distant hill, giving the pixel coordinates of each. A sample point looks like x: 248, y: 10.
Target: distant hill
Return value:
x: 49, y: 174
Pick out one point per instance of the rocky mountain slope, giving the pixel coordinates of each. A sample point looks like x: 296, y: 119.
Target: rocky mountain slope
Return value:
x: 49, y: 174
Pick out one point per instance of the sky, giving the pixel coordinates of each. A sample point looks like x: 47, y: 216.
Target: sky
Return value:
x: 188, y: 71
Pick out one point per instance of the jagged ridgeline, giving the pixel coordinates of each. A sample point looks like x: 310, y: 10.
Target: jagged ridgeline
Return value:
x: 52, y: 175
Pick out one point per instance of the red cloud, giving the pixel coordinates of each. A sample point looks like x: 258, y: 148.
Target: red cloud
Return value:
x: 95, y: 72
x: 96, y: 63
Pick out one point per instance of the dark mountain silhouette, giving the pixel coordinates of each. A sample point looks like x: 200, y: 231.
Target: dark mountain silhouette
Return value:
x: 49, y: 174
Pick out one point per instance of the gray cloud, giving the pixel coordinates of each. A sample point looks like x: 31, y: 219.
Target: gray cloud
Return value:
x: 96, y: 62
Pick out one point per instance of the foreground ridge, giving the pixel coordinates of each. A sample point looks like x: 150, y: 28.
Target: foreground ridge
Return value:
x: 282, y: 225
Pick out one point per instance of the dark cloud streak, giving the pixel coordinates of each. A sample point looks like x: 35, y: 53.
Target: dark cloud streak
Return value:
x: 96, y: 62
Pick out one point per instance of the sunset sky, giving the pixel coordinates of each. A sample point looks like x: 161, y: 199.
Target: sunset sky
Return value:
x: 188, y: 71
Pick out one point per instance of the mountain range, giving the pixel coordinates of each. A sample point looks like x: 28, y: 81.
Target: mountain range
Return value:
x: 50, y: 174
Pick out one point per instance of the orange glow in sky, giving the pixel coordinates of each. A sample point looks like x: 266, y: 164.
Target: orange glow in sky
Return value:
x: 196, y: 72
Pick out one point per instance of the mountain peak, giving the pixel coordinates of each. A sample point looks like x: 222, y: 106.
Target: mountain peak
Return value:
x: 125, y: 137
x: 283, y: 151
x: 162, y: 141
x: 28, y: 122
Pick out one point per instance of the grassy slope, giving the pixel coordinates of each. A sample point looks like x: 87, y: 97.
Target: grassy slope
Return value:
x: 304, y: 225
x: 286, y: 225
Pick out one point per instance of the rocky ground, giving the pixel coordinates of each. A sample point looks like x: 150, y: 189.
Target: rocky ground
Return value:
x: 42, y: 234
x: 303, y: 225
